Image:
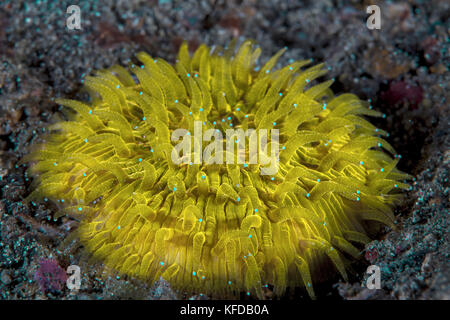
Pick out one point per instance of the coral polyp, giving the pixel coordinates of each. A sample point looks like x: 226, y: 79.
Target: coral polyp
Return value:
x: 219, y: 229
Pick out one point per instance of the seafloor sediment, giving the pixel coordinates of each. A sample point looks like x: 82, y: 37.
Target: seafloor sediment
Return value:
x: 402, y: 68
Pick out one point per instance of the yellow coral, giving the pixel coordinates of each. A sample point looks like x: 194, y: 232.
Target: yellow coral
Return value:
x: 218, y: 229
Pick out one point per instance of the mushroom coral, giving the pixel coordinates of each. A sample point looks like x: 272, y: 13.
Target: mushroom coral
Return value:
x: 213, y: 228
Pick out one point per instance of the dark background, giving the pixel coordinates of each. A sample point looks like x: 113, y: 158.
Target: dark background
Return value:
x: 402, y: 69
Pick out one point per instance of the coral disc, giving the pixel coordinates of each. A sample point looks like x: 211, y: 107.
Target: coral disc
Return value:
x: 219, y: 228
